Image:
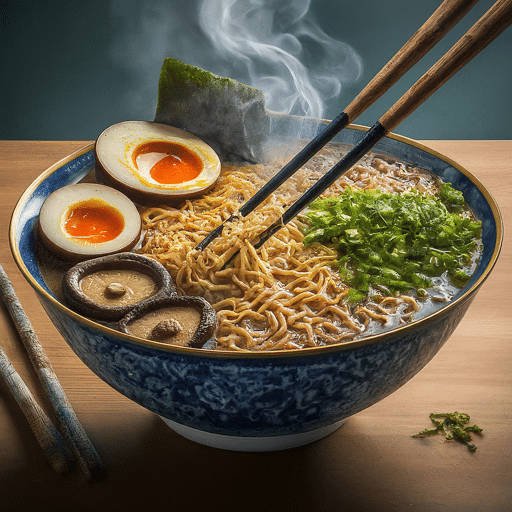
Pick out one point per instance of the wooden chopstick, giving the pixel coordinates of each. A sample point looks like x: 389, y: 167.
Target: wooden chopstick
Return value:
x: 490, y: 25
x: 73, y: 432
x: 46, y: 433
x: 429, y: 34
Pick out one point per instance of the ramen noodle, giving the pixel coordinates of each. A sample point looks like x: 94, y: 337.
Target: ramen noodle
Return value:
x: 283, y: 295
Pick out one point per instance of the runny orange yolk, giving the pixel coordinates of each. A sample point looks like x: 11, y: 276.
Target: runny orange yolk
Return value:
x: 178, y: 166
x: 93, y: 221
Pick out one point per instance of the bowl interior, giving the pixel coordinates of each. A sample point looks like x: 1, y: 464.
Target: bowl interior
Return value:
x: 76, y: 166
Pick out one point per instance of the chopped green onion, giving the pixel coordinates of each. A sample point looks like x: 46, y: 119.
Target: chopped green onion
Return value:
x: 399, y: 241
x: 452, y: 426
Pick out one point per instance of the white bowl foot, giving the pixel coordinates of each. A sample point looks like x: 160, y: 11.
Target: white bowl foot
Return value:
x: 252, y: 444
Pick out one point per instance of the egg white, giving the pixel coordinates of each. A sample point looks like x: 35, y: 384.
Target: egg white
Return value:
x: 53, y: 215
x: 114, y: 156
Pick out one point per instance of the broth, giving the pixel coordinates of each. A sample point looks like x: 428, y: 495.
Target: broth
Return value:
x: 284, y: 296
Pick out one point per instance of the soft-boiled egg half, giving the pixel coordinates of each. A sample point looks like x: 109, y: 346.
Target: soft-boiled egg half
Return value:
x: 155, y: 163
x: 85, y: 220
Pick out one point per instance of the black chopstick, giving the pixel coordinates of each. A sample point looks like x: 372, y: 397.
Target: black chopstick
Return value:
x: 441, y: 22
x: 490, y: 25
x: 73, y: 432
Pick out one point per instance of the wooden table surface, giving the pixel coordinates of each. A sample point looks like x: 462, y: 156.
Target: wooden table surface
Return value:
x: 371, y: 464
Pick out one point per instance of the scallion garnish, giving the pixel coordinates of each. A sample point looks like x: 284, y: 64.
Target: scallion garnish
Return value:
x: 452, y: 426
x: 396, y: 241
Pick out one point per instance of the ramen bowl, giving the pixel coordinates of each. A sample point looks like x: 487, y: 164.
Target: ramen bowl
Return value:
x: 268, y: 400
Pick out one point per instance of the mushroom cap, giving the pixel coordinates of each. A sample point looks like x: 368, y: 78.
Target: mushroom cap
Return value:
x: 207, y: 325
x: 84, y: 305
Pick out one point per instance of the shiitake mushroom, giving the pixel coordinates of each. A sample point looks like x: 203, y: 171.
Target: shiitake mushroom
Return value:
x: 178, y: 320
x: 117, y: 275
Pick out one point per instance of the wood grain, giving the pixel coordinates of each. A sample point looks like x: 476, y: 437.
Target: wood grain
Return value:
x: 488, y: 27
x: 72, y: 430
x: 46, y: 434
x: 371, y: 464
x: 444, y: 18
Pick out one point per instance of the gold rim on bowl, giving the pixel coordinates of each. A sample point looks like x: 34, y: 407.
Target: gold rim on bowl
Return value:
x: 348, y: 345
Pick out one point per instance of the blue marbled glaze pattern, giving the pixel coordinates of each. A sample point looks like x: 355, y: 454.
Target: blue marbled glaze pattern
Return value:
x: 257, y: 397
x: 260, y: 395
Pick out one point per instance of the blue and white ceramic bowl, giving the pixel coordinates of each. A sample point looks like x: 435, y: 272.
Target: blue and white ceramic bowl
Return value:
x: 258, y: 401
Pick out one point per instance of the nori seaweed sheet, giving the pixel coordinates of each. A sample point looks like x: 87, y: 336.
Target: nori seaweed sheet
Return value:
x: 227, y: 114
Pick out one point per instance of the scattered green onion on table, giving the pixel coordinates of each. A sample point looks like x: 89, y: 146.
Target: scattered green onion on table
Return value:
x: 453, y: 426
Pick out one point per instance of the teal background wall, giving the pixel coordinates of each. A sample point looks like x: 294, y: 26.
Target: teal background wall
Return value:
x: 70, y: 69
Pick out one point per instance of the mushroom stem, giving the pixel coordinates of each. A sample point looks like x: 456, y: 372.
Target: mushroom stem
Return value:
x: 165, y: 329
x: 116, y: 289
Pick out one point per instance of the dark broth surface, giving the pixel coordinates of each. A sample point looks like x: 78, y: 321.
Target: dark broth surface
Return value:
x: 277, y: 297
x: 244, y: 301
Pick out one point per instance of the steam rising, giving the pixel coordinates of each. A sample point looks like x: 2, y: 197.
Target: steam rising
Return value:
x: 272, y: 45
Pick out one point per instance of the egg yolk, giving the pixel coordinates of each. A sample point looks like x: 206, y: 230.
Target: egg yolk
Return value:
x: 93, y: 221
x: 177, y: 164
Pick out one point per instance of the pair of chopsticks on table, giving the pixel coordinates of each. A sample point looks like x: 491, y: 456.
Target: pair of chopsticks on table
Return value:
x: 48, y: 436
x: 488, y: 27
